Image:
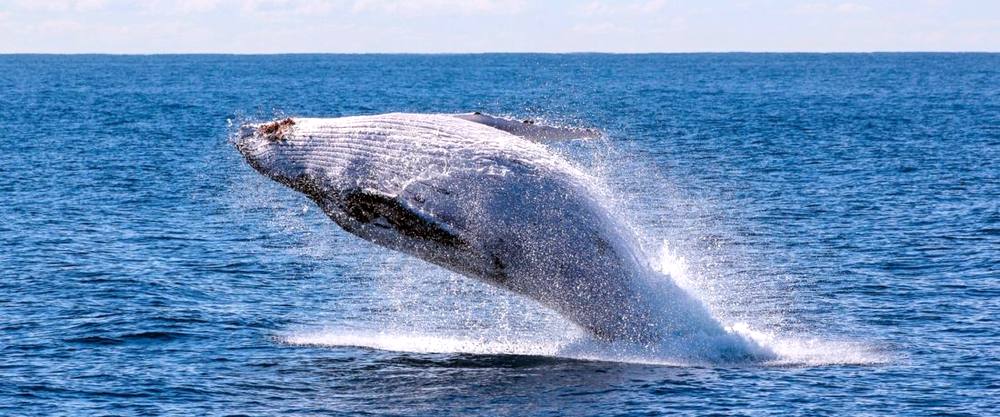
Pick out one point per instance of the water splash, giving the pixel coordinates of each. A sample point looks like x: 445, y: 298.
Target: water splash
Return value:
x: 421, y: 308
x: 805, y: 350
x: 467, y: 317
x: 788, y: 352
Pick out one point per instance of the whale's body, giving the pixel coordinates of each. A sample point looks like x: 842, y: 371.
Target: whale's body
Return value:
x: 464, y: 194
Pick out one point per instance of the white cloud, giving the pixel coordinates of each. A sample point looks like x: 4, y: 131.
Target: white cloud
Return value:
x: 594, y: 8
x: 173, y: 7
x: 650, y: 6
x: 60, y: 26
x: 826, y: 8
x: 606, y: 8
x: 258, y: 8
x: 851, y: 8
x: 89, y: 5
x: 415, y: 7
x: 197, y: 6
x: 61, y: 5
x: 288, y: 7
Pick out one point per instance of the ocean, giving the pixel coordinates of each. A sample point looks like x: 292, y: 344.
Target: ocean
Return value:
x: 842, y: 210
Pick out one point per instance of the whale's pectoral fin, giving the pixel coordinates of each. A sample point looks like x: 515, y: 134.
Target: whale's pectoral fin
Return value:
x: 371, y: 207
x: 530, y: 129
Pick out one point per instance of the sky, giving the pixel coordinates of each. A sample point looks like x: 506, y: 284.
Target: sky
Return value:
x: 456, y: 26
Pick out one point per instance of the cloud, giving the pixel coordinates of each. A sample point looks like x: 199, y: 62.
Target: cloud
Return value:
x: 288, y: 7
x: 604, y: 8
x: 60, y: 26
x: 416, y: 7
x: 197, y: 6
x: 257, y: 8
x: 651, y: 6
x: 594, y: 8
x: 61, y: 6
x: 174, y: 7
x: 828, y: 8
x: 851, y: 8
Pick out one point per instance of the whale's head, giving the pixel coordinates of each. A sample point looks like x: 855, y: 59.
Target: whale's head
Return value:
x: 271, y: 150
x: 362, y: 193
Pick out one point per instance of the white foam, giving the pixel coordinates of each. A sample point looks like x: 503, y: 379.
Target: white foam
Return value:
x: 815, y: 351
x: 789, y: 351
x: 577, y: 349
x: 421, y: 343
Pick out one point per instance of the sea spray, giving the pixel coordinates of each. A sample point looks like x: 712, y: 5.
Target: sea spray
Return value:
x: 427, y: 308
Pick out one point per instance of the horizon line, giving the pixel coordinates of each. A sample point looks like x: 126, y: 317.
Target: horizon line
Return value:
x: 514, y: 53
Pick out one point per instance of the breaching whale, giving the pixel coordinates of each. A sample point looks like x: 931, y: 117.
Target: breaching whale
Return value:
x: 478, y: 195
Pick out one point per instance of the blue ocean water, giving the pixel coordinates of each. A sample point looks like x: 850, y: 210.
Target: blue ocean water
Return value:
x: 841, y: 209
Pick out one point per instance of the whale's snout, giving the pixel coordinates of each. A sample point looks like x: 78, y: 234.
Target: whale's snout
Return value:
x: 249, y: 143
x: 257, y: 141
x: 243, y: 139
x: 273, y: 150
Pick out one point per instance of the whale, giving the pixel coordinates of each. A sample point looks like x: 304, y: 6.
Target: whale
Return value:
x: 483, y: 196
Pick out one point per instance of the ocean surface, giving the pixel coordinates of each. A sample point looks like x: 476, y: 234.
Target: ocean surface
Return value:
x: 841, y: 210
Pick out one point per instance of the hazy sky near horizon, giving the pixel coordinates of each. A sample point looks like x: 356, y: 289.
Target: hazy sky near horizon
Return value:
x: 272, y: 26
